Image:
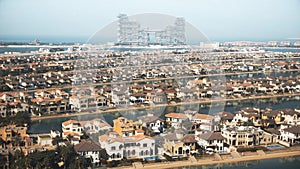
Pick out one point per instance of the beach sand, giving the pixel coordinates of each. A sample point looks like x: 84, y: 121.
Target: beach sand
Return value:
x: 210, y: 161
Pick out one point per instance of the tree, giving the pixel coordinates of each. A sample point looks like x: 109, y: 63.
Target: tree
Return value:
x: 68, y: 155
x: 18, y: 160
x: 103, y: 156
x: 57, y: 140
x: 3, y: 161
x: 2, y: 142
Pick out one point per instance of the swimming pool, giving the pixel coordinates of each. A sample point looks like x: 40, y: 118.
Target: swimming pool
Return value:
x: 152, y: 158
x: 274, y: 146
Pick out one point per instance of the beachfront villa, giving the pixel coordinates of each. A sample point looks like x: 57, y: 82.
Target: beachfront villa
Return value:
x: 179, y: 144
x: 136, y: 146
x: 291, y: 135
x: 242, y: 135
x: 90, y: 150
x: 213, y: 141
x: 72, y: 128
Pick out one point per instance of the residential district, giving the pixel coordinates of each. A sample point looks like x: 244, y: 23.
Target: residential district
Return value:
x: 83, y: 80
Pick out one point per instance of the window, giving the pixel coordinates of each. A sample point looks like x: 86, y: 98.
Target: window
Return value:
x: 113, y: 148
x: 145, y: 145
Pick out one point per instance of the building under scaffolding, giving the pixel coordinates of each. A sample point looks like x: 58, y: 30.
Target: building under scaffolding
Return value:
x: 131, y: 33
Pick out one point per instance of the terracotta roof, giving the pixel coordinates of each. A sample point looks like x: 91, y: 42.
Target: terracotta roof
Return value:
x: 176, y: 115
x: 69, y: 133
x: 85, y: 146
x: 203, y: 116
x: 69, y: 122
x: 139, y: 137
x: 226, y: 116
x: 139, y: 131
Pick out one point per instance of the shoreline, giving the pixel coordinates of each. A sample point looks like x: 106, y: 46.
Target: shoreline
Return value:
x: 209, y: 162
x: 206, y: 101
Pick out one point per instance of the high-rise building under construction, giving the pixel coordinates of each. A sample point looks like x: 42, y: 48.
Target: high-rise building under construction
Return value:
x: 132, y: 33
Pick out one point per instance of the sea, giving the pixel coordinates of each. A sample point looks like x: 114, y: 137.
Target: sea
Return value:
x: 45, y: 125
x: 275, y: 163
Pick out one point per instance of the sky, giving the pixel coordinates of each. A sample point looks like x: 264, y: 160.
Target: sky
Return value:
x: 219, y: 20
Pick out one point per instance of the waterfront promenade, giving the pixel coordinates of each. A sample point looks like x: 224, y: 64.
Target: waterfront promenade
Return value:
x: 295, y: 151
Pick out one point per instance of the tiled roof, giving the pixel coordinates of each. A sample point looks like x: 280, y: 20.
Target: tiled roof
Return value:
x: 69, y: 133
x: 85, y: 146
x: 293, y: 129
x: 189, y: 138
x: 148, y: 119
x: 176, y: 115
x: 69, y: 122
x: 226, y: 116
x: 211, y: 136
x: 203, y: 116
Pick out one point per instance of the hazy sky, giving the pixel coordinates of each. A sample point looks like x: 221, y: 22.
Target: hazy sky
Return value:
x: 217, y: 19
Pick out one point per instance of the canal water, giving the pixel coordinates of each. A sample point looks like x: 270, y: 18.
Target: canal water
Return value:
x: 276, y: 163
x: 44, y: 126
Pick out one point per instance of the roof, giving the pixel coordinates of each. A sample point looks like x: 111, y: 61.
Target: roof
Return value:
x: 66, y: 133
x: 293, y: 129
x: 149, y: 119
x: 171, y: 137
x: 226, y: 116
x: 176, y: 115
x: 69, y: 122
x: 211, y: 136
x: 131, y: 139
x: 273, y: 131
x: 203, y: 116
x: 87, y: 146
x: 189, y: 138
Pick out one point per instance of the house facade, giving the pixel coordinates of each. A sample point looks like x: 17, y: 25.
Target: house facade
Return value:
x: 72, y: 128
x: 137, y: 146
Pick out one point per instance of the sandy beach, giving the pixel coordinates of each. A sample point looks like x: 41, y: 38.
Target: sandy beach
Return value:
x: 211, y: 161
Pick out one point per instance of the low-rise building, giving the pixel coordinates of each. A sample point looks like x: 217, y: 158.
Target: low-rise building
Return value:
x: 204, y: 121
x: 178, y: 144
x: 175, y: 119
x: 125, y: 127
x: 72, y: 128
x: 153, y: 123
x: 137, y: 146
x: 242, y: 135
x: 44, y: 140
x: 213, y: 141
x: 95, y: 126
x: 89, y: 150
x: 6, y: 132
x: 291, y: 135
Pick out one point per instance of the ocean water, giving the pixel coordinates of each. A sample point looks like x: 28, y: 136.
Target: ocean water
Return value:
x: 292, y: 50
x: 276, y: 163
x: 19, y: 49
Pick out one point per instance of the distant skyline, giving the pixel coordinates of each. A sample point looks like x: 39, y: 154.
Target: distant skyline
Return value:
x: 219, y: 20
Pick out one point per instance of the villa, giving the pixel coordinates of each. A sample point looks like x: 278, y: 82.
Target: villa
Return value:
x: 72, y: 128
x: 135, y: 146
